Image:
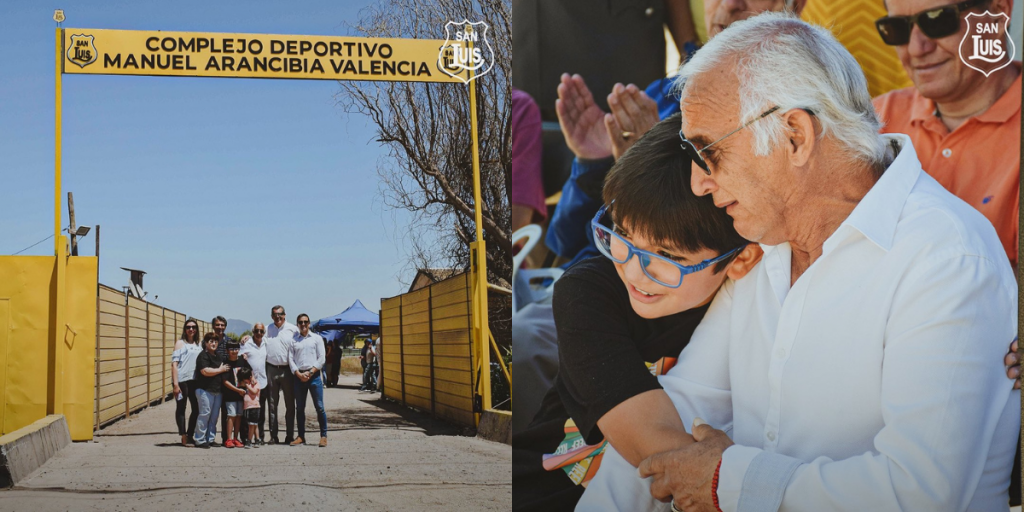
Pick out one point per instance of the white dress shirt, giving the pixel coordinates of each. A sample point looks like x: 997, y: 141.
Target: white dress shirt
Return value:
x: 279, y: 341
x: 307, y: 352
x: 875, y: 383
x: 256, y: 356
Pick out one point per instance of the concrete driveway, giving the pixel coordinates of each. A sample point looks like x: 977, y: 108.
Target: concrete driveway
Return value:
x: 380, y: 456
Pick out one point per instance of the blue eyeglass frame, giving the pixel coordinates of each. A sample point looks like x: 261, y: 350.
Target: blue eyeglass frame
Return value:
x: 645, y: 256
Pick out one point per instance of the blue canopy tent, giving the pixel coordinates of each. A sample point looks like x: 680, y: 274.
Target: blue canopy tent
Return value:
x: 332, y: 336
x: 356, y: 319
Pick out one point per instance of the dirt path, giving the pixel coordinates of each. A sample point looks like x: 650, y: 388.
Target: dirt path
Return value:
x: 380, y: 456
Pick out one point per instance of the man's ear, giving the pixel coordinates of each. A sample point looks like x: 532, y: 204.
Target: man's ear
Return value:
x: 798, y: 6
x: 1005, y: 6
x: 744, y: 261
x: 802, y: 137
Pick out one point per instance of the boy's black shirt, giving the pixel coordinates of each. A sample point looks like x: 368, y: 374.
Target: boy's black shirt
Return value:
x: 229, y: 376
x: 606, y: 352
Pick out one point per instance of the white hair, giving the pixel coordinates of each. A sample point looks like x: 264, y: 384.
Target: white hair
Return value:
x: 782, y: 61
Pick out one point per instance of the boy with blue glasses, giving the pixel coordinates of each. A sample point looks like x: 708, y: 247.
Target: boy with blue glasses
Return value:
x: 623, y: 318
x: 663, y: 270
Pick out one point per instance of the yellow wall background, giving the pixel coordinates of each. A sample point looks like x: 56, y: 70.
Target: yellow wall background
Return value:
x: 27, y: 284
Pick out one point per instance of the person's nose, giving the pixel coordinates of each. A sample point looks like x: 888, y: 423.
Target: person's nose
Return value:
x: 734, y: 5
x: 920, y: 44
x: 700, y: 182
x: 634, y: 271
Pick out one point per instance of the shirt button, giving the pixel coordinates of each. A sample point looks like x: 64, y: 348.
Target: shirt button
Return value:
x: 649, y: 11
x: 780, y: 353
x: 771, y: 436
x: 947, y: 152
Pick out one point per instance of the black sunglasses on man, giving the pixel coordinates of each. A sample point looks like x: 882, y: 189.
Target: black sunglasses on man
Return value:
x: 936, y: 23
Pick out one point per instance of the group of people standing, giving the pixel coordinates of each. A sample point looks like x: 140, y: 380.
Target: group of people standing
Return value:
x: 235, y: 381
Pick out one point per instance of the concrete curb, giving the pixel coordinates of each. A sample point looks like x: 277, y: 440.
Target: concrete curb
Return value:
x: 495, y: 426
x: 25, y: 449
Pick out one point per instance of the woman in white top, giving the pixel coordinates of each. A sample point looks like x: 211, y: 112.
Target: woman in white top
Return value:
x: 183, y: 368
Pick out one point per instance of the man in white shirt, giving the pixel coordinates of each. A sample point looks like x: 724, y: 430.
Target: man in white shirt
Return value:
x: 306, y: 359
x: 857, y: 366
x: 254, y: 350
x: 280, y: 336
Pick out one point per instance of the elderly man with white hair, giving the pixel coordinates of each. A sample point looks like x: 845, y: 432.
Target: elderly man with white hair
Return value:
x: 857, y: 367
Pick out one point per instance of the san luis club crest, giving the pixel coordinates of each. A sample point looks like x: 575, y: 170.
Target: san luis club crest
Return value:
x: 466, y: 50
x: 82, y: 51
x: 986, y: 47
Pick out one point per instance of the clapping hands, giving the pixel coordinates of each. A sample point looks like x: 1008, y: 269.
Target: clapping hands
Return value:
x: 633, y: 114
x: 593, y: 134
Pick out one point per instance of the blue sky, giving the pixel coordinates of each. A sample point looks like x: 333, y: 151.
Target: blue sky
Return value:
x: 233, y: 194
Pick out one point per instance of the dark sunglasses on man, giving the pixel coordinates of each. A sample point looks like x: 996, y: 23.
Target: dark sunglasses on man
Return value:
x: 936, y: 23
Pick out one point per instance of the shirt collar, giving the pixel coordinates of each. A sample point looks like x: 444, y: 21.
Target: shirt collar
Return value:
x: 879, y: 211
x: 776, y: 261
x: 1007, y: 105
x: 923, y: 109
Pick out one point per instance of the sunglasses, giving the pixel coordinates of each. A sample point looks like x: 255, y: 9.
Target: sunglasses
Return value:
x: 276, y: 314
x: 935, y: 23
x: 304, y: 322
x: 259, y: 331
x: 695, y: 154
x: 190, y: 327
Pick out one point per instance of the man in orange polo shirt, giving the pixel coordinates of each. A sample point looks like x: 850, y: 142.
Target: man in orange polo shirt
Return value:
x: 965, y: 126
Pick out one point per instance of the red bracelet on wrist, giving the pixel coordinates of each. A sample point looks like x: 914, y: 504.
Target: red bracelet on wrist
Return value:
x: 714, y: 486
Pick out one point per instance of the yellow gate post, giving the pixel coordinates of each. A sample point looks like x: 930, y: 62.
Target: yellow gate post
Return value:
x: 57, y: 141
x: 55, y: 396
x: 478, y: 254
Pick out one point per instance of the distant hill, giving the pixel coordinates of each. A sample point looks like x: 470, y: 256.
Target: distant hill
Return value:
x: 238, y: 326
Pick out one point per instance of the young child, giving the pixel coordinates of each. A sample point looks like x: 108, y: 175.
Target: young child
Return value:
x: 622, y: 319
x: 250, y: 403
x: 233, y: 394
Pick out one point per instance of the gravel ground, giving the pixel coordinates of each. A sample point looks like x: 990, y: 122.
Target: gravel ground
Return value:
x: 380, y: 456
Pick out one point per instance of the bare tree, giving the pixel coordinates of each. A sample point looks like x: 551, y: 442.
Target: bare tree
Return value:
x: 426, y: 129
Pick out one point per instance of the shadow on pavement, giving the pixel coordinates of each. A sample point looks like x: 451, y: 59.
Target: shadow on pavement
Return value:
x: 170, y: 445
x: 134, y: 434
x: 389, y: 415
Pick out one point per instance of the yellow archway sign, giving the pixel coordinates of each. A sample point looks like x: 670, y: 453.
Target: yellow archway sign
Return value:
x: 159, y: 53
x: 459, y: 59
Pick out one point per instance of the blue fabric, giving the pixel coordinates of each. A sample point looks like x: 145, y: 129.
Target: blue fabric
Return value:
x: 333, y: 336
x: 315, y: 386
x: 356, y: 318
x: 569, y: 234
x: 764, y: 483
x: 209, y: 411
x: 661, y: 91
